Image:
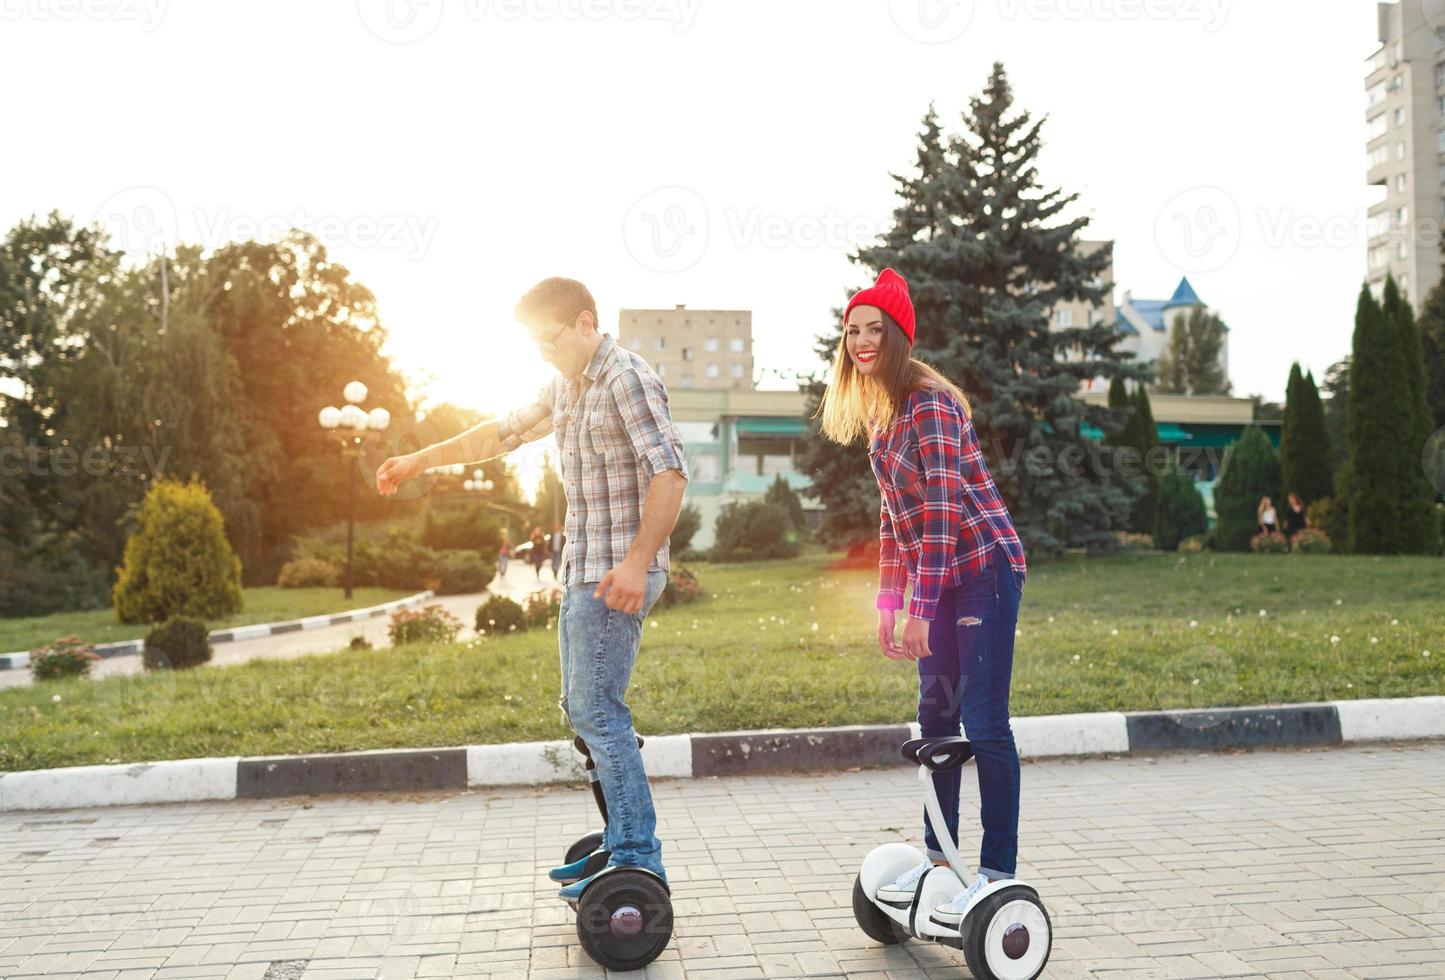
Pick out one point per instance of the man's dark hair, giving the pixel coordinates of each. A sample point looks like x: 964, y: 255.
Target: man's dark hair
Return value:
x: 555, y: 300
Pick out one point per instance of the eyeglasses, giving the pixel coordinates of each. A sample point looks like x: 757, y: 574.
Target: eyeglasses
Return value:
x: 549, y: 346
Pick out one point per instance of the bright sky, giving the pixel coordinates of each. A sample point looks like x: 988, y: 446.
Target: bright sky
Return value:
x: 719, y: 154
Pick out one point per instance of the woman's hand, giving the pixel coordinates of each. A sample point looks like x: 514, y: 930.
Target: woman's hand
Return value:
x: 915, y: 639
x: 891, y: 649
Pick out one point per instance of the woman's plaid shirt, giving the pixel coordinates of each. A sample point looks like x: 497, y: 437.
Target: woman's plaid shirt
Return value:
x: 942, y: 514
x: 614, y: 433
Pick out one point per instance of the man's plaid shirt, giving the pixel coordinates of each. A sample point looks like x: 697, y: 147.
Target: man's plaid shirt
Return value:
x: 942, y: 515
x: 614, y: 433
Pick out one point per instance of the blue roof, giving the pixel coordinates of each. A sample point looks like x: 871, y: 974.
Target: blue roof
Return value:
x: 1150, y: 310
x: 1184, y: 295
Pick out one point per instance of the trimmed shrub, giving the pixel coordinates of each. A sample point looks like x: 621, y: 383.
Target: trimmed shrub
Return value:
x: 429, y: 624
x: 467, y: 526
x: 179, y: 562
x: 1311, y: 541
x: 1317, y: 513
x: 178, y: 643
x: 1270, y: 543
x: 359, y: 643
x: 458, y: 572
x: 1130, y: 541
x: 754, y: 530
x: 1194, y: 544
x: 500, y: 615
x: 689, y: 522
x: 65, y: 657
x: 542, y: 608
x: 48, y: 582
x: 681, y: 587
x: 307, y: 573
x: 780, y: 493
x: 1179, y: 512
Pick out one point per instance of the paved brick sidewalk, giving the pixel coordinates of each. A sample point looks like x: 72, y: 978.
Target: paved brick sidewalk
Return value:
x: 1326, y: 864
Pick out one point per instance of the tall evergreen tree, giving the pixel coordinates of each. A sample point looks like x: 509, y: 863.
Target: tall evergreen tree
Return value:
x: 1417, y: 527
x: 1304, y: 445
x: 1432, y: 345
x: 987, y: 257
x: 1250, y: 472
x: 1336, y: 387
x: 1143, y: 436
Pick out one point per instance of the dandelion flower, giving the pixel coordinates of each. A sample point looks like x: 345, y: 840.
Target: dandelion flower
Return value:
x: 815, y: 627
x: 55, y: 698
x: 1193, y: 623
x: 1425, y: 653
x: 1334, y: 639
x: 1262, y: 614
x: 1114, y: 632
x: 1374, y: 639
x: 1339, y: 602
x: 1394, y: 622
x: 652, y: 623
x: 1076, y: 658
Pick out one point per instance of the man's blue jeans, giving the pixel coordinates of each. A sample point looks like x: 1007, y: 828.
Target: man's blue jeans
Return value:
x: 972, y: 642
x: 599, y: 648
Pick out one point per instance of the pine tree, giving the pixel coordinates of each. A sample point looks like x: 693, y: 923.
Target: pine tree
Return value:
x: 1250, y: 472
x: 1432, y: 344
x: 1181, y: 510
x: 1143, y: 437
x: 1337, y: 409
x: 987, y: 258
x: 1304, y: 445
x: 1416, y: 528
x: 1190, y: 365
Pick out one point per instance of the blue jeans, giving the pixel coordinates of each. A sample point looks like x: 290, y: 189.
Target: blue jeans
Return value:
x: 599, y: 647
x: 967, y: 677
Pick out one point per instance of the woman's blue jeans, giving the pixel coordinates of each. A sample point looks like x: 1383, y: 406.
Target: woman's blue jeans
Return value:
x: 598, y: 646
x: 967, y: 678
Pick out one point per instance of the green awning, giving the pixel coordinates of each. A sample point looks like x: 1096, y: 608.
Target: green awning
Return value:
x: 772, y: 426
x: 1091, y: 431
x: 1169, y: 432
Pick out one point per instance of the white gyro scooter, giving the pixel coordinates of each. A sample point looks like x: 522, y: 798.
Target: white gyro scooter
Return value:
x: 1004, y: 933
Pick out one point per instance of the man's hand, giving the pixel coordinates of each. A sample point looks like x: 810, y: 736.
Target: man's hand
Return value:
x: 915, y: 639
x: 627, y: 583
x: 396, y: 471
x: 890, y: 647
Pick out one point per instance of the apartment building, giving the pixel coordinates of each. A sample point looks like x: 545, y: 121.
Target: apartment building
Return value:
x: 693, y: 348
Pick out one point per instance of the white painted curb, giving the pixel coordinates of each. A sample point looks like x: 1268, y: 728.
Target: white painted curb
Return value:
x: 1085, y: 734
x: 1380, y: 719
x: 174, y: 781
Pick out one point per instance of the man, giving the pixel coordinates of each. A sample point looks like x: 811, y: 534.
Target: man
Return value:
x: 624, y: 475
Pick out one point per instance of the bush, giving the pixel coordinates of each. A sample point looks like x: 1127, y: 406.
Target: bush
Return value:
x: 179, y: 643
x: 780, y: 493
x: 66, y: 657
x: 1194, y: 544
x: 307, y: 573
x: 467, y: 526
x: 689, y: 522
x: 500, y: 615
x: 46, y: 582
x: 1179, y: 511
x: 359, y: 643
x: 1311, y: 541
x: 429, y: 624
x: 1317, y: 513
x: 542, y: 608
x: 681, y: 587
x: 1130, y: 541
x: 179, y: 562
x: 458, y: 572
x: 754, y: 530
x: 1270, y: 543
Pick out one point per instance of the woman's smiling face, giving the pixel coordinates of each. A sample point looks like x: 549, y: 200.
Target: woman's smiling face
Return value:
x: 863, y: 338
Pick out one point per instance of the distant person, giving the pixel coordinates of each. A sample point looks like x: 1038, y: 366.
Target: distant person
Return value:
x: 504, y: 555
x: 556, y: 545
x: 1295, y: 518
x: 1265, y: 515
x: 539, y: 551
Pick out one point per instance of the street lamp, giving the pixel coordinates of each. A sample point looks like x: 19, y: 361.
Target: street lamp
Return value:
x: 477, y: 483
x: 351, y: 422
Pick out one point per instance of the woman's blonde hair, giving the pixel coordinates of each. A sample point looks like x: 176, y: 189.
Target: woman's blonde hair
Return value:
x: 857, y: 405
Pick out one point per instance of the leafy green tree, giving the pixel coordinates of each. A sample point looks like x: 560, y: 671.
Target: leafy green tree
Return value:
x: 1190, y: 364
x: 781, y: 494
x: 1250, y: 471
x: 689, y: 522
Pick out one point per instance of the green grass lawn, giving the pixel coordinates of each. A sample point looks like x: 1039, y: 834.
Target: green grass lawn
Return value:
x: 791, y: 644
x: 267, y: 604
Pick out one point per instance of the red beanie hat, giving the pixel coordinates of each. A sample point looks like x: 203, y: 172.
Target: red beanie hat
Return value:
x: 889, y: 294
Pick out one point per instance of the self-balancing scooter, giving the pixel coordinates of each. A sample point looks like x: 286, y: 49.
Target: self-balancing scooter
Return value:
x: 1004, y: 932
x: 624, y: 915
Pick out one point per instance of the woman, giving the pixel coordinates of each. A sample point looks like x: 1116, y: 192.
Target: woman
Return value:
x: 944, y: 527
x: 1266, y: 516
x: 1295, y: 519
x: 539, y: 551
x: 504, y: 555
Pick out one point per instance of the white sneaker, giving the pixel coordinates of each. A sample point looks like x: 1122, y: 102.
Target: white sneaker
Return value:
x: 950, y: 913
x: 900, y: 891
